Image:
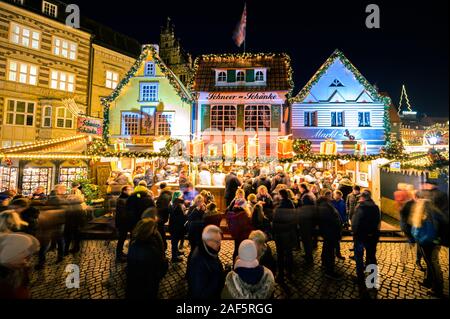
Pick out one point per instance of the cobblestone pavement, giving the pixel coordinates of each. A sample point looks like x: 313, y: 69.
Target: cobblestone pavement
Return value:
x: 102, y: 278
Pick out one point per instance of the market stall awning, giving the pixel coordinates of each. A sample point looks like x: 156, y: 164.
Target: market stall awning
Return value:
x: 73, y: 147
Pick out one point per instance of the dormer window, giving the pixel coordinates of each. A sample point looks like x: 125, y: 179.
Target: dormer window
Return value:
x: 336, y: 83
x: 259, y: 76
x: 222, y: 77
x: 50, y: 9
x: 149, y: 69
x: 240, y: 76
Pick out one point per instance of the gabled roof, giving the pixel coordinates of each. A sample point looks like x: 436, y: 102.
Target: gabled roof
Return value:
x: 279, y: 71
x: 323, y: 69
x: 149, y: 50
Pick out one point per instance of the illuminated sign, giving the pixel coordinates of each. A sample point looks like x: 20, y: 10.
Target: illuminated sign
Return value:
x: 395, y: 167
x: 242, y: 97
x: 337, y: 134
x: 89, y: 125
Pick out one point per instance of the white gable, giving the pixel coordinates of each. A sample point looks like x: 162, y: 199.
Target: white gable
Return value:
x: 364, y: 98
x: 326, y: 86
x: 336, y: 97
x: 311, y: 99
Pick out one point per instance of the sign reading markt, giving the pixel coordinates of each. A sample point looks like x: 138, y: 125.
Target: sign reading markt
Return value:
x: 89, y: 125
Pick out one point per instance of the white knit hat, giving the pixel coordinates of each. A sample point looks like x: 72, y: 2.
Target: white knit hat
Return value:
x: 248, y: 255
x: 16, y: 247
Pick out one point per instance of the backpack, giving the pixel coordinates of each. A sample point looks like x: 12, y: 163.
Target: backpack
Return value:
x: 426, y: 234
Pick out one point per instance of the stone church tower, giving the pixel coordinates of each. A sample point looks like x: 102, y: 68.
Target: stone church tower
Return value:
x: 173, y: 55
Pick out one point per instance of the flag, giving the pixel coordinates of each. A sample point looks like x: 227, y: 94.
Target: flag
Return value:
x: 239, y: 33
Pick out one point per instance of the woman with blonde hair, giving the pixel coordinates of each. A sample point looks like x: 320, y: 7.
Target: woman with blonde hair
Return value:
x: 265, y: 200
x: 425, y: 220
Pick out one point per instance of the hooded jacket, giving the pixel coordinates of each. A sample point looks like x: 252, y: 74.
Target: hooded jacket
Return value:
x: 238, y: 288
x: 366, y: 221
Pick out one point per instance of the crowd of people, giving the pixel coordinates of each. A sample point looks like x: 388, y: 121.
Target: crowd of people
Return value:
x: 34, y: 225
x: 293, y: 211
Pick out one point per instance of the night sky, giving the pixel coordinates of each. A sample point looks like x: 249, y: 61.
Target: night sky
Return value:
x: 410, y: 48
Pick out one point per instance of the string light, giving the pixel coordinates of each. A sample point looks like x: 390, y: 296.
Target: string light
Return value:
x: 404, y: 94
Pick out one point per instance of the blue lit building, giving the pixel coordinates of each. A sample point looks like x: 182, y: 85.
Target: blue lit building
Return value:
x: 336, y: 99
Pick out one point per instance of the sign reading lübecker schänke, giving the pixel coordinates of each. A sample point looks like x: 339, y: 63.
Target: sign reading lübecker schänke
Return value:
x: 242, y: 97
x: 88, y: 125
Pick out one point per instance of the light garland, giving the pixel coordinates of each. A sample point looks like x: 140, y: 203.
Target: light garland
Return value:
x: 404, y: 94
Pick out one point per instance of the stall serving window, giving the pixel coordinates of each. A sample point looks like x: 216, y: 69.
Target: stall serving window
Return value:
x: 34, y: 177
x: 257, y: 117
x: 8, y: 178
x: 223, y: 117
x: 68, y: 174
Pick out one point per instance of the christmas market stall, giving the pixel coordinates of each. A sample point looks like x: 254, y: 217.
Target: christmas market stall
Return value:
x: 45, y: 163
x: 418, y: 168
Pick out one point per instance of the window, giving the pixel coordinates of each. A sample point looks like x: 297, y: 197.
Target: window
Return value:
x: 68, y: 174
x: 47, y: 116
x: 149, y: 69
x: 149, y: 92
x: 364, y: 119
x: 62, y: 81
x: 223, y: 117
x: 337, y: 118
x: 130, y: 123
x: 112, y: 79
x: 240, y: 76
x: 310, y: 118
x: 18, y: 2
x: 222, y: 76
x: 25, y: 36
x: 64, y: 118
x: 64, y: 48
x: 8, y: 178
x: 259, y: 76
x: 336, y: 83
x: 257, y: 117
x: 34, y: 177
x: 22, y: 72
x: 20, y: 113
x: 49, y: 9
x: 165, y: 121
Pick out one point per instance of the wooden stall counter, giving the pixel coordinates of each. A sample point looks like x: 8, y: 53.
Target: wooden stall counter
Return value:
x: 219, y: 195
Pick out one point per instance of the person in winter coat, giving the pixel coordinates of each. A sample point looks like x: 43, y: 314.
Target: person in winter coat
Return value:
x: 146, y: 264
x: 280, y: 178
x: 162, y: 205
x: 123, y: 220
x: 330, y: 228
x: 205, y: 273
x: 339, y: 203
x: 239, y: 220
x: 366, y: 224
x: 195, y: 223
x: 427, y: 220
x: 285, y: 222
x: 430, y: 191
x: 16, y: 250
x: 306, y: 196
x: 248, y: 186
x: 345, y: 186
x: 265, y: 256
x: 74, y: 222
x: 248, y: 280
x: 232, y: 183
x: 351, y: 201
x: 137, y: 203
x: 27, y: 213
x: 263, y: 197
x: 405, y: 225
x: 262, y: 180
x: 177, y: 219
